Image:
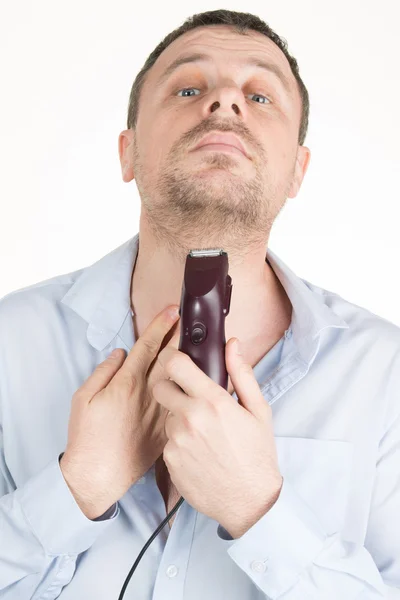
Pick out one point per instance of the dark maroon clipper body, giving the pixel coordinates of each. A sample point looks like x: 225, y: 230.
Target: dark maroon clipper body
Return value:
x: 205, y: 302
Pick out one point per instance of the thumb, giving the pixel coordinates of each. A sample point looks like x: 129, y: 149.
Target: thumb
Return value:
x: 173, y: 337
x: 244, y: 382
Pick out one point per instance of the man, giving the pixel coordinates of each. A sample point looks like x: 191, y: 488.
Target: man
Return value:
x: 291, y: 476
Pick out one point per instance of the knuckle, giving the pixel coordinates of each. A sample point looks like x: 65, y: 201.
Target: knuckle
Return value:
x: 246, y: 368
x: 128, y: 382
x: 194, y: 420
x: 186, y: 421
x: 216, y: 410
x: 150, y: 345
x: 176, y: 363
x: 103, y: 366
x: 155, y: 389
x: 78, y: 396
x: 167, y: 454
x: 219, y: 405
x: 215, y: 396
x: 179, y: 440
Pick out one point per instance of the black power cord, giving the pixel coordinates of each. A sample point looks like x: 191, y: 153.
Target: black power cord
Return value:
x: 147, y: 544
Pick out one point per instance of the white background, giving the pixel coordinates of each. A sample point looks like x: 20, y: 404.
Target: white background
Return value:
x: 66, y: 73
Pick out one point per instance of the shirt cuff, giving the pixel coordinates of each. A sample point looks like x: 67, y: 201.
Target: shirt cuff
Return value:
x: 109, y: 514
x: 280, y: 545
x: 54, y: 515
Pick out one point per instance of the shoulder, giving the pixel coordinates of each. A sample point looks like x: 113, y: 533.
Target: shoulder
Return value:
x: 364, y: 325
x: 34, y: 302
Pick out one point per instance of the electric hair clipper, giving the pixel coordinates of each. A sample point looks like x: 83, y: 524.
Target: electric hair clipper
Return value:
x: 205, y: 302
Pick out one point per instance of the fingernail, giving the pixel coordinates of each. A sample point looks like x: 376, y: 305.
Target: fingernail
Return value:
x: 114, y: 353
x: 238, y: 348
x: 173, y: 312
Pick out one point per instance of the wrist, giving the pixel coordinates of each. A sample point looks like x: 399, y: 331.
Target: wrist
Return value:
x: 255, y: 512
x: 92, y: 504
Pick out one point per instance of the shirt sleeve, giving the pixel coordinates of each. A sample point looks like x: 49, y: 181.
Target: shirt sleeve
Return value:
x: 43, y: 532
x: 288, y: 555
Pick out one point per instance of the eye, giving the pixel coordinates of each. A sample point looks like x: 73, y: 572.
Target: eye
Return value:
x: 261, y: 96
x: 186, y: 89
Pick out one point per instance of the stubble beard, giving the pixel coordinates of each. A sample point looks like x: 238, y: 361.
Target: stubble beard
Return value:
x: 212, y: 207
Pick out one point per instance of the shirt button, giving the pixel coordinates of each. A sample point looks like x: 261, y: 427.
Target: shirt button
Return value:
x: 258, y: 567
x: 172, y: 571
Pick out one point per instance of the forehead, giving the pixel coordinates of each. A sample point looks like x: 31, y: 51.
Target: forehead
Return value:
x: 223, y: 44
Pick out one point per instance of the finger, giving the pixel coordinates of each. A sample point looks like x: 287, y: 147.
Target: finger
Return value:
x: 170, y: 424
x: 103, y: 374
x: 148, y: 345
x: 186, y: 374
x: 245, y: 383
x: 173, y: 336
x: 168, y: 394
x: 156, y: 371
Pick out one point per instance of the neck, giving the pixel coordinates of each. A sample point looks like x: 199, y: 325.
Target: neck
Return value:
x: 260, y: 309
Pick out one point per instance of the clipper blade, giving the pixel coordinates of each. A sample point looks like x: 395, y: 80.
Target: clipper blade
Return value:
x: 205, y: 252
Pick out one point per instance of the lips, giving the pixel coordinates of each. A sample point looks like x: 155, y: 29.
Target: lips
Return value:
x: 227, y: 139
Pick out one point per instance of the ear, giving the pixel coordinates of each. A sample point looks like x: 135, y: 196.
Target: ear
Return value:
x: 125, y: 142
x: 302, y: 162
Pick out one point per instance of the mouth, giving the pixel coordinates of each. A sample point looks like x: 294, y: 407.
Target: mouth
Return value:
x: 222, y: 142
x: 220, y: 148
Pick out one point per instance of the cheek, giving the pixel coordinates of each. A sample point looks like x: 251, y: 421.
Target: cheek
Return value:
x: 152, y: 148
x: 280, y: 146
x: 160, y: 132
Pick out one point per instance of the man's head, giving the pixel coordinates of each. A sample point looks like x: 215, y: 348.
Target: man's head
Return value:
x: 216, y: 197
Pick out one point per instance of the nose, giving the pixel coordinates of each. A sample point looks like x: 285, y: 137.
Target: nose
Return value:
x: 216, y: 105
x: 226, y: 99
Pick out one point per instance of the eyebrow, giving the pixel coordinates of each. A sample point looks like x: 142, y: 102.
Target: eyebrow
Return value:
x: 252, y: 61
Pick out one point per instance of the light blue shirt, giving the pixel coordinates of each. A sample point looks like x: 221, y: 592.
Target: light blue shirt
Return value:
x: 333, y: 383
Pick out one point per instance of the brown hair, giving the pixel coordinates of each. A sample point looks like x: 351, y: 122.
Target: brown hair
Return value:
x: 242, y: 22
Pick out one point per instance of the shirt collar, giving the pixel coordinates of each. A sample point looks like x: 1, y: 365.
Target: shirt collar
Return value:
x: 101, y: 296
x: 310, y: 314
x: 101, y: 293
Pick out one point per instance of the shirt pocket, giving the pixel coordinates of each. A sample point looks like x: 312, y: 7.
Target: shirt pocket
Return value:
x: 320, y: 472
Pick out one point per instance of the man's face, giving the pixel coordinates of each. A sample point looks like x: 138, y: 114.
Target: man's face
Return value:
x: 219, y: 193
